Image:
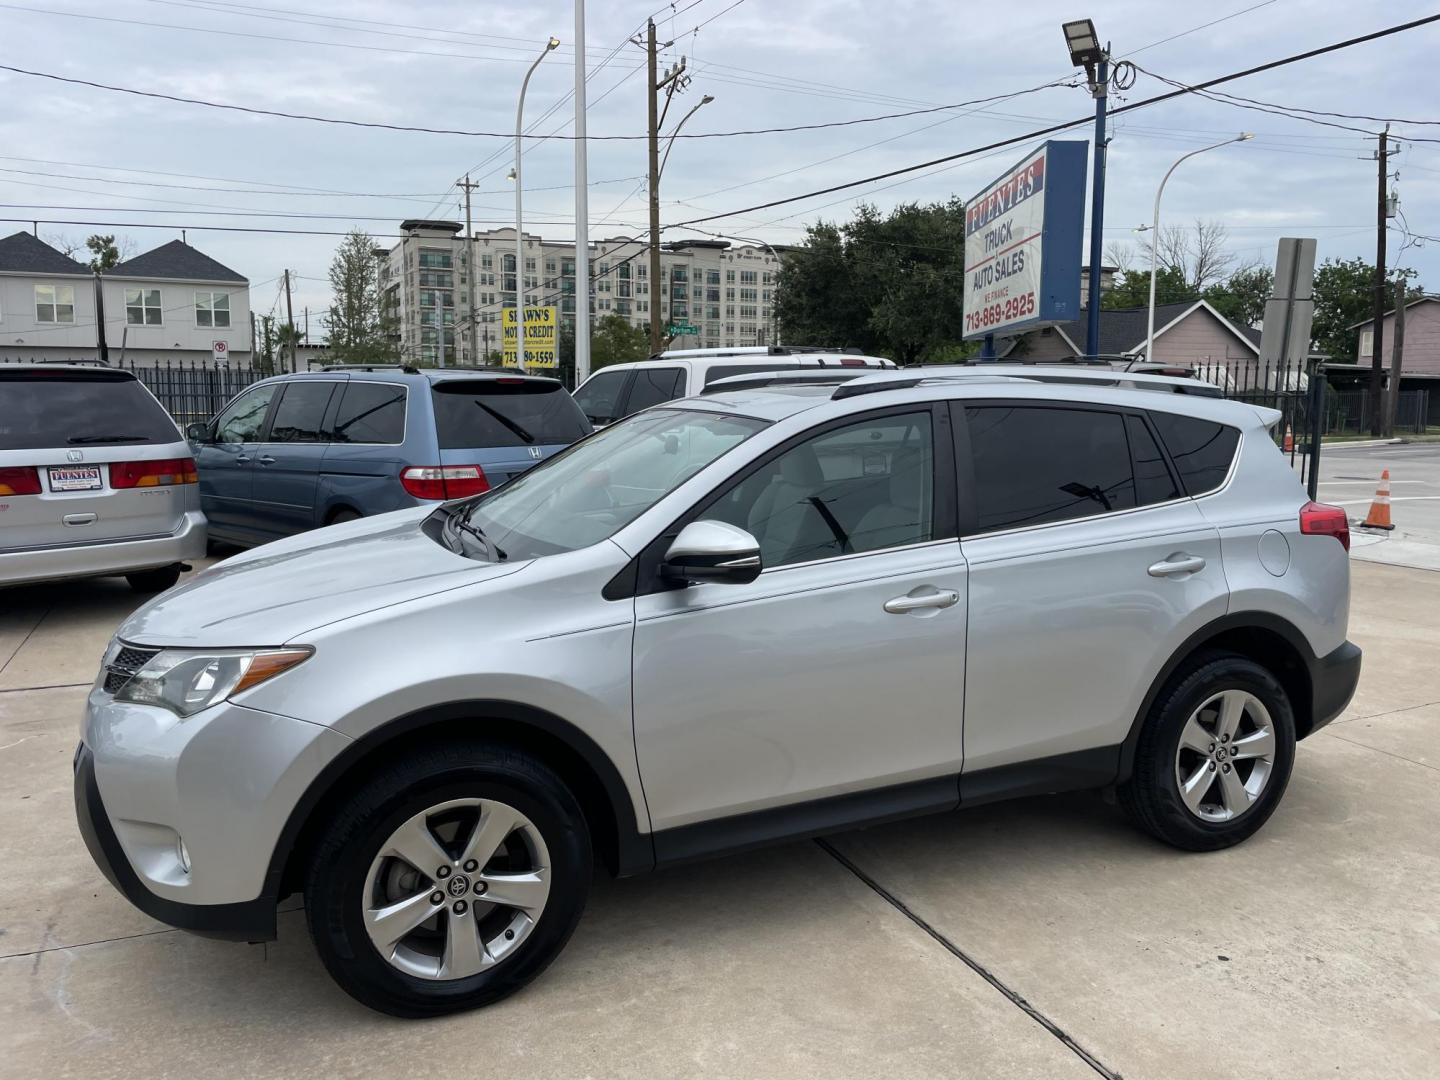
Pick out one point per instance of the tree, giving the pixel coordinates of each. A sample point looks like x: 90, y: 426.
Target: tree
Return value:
x: 615, y: 341
x: 1132, y: 289
x: 1198, y: 252
x: 357, y: 323
x: 891, y: 284
x: 1241, y: 297
x: 105, y: 253
x: 1344, y: 293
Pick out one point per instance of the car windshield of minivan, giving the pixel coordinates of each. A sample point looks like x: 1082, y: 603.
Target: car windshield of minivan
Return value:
x: 598, y: 486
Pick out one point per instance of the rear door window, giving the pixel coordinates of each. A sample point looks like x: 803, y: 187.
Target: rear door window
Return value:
x: 1036, y: 465
x: 370, y: 413
x: 299, y: 416
x: 1153, y: 482
x: 44, y: 409
x: 505, y: 412
x: 599, y: 398
x: 655, y: 386
x: 1201, y: 449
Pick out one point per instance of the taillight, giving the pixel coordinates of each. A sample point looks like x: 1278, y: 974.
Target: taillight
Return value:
x: 444, y: 481
x: 19, y: 480
x: 1320, y: 519
x: 162, y: 473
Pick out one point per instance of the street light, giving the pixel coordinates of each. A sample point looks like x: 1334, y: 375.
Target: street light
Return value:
x: 1085, y: 52
x: 519, y: 217
x: 1244, y: 136
x: 703, y: 101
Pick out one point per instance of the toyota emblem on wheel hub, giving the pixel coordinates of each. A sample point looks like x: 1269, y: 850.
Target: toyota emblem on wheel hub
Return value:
x: 458, y: 885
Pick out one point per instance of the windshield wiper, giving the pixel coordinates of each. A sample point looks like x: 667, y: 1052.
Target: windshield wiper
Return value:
x: 79, y: 439
x: 461, y: 525
x: 519, y: 431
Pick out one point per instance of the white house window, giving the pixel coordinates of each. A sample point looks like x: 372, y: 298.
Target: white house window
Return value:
x: 212, y: 309
x: 55, y: 303
x: 1367, y: 343
x: 142, y: 307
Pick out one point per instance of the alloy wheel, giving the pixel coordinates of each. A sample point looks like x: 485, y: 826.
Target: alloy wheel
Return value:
x: 1226, y: 756
x: 456, y: 889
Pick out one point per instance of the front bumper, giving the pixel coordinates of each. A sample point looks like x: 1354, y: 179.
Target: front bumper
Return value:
x: 1333, y: 678
x: 185, y: 816
x: 107, y: 557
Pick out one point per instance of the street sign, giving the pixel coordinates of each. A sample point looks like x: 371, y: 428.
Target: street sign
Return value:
x: 542, y: 338
x: 220, y: 353
x: 679, y: 327
x: 1022, y: 244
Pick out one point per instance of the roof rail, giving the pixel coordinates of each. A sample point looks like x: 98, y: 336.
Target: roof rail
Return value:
x: 409, y: 369
x: 911, y: 377
x: 816, y: 376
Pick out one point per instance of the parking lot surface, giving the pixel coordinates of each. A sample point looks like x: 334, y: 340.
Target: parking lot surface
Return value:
x: 1039, y: 938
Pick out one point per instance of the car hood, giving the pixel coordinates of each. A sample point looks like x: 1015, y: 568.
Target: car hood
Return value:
x: 273, y: 594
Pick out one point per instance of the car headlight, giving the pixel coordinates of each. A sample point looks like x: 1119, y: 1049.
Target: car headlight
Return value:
x: 187, y: 680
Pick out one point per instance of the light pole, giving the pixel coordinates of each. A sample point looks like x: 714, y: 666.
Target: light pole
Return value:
x: 1085, y: 52
x: 1244, y: 136
x: 703, y: 101
x: 582, y: 211
x: 519, y: 215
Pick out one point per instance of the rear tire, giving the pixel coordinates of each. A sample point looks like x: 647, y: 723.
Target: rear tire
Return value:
x: 154, y: 581
x: 1214, y: 755
x: 455, y: 796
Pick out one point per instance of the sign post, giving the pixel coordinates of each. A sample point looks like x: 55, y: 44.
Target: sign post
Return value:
x: 220, y: 353
x: 1023, y: 245
x: 542, y: 338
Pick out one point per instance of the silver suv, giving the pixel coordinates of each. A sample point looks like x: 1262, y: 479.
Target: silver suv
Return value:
x: 95, y: 478
x: 723, y: 622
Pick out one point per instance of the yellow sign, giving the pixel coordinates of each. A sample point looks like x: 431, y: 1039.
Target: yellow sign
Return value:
x: 542, y: 337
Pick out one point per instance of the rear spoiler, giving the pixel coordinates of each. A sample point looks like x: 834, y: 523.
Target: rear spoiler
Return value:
x: 1268, y: 417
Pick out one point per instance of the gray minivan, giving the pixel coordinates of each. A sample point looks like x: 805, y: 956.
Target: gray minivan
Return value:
x: 299, y: 451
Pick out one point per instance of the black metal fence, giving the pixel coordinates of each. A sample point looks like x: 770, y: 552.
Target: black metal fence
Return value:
x: 192, y: 391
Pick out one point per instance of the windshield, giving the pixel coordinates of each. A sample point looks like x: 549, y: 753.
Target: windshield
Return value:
x: 600, y: 485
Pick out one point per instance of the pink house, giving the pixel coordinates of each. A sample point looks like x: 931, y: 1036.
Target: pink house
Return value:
x: 1421, y: 355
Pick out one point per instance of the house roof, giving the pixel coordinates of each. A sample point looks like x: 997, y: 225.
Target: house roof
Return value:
x: 177, y: 260
x: 23, y: 253
x: 1412, y: 303
x: 1123, y: 330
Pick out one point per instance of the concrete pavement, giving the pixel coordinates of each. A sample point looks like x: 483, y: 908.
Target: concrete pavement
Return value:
x: 1348, y: 477
x: 1313, y: 950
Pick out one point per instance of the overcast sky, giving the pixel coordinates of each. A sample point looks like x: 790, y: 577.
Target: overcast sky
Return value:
x: 768, y: 63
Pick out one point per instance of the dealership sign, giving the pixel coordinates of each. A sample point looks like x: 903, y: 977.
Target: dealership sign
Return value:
x: 1023, y: 244
x: 542, y: 325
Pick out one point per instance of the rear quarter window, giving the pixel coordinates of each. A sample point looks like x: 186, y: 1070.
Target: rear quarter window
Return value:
x: 502, y: 412
x: 48, y: 409
x: 371, y: 413
x: 1202, y: 450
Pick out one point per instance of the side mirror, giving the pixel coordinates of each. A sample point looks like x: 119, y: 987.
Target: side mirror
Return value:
x: 197, y: 432
x: 713, y: 551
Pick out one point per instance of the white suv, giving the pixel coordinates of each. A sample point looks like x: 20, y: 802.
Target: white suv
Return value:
x: 619, y: 390
x: 727, y: 621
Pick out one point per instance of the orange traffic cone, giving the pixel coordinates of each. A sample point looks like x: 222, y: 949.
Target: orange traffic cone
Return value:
x: 1379, y: 516
x: 1289, y: 446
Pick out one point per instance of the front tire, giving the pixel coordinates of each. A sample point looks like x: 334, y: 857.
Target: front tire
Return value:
x: 154, y: 581
x: 1214, y: 755
x: 448, y: 880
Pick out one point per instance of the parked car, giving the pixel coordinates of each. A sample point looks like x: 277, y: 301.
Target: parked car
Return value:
x: 619, y: 390
x: 95, y: 479
x: 727, y: 621
x: 299, y: 451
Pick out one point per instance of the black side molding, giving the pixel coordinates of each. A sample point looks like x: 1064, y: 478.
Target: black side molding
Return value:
x: 1077, y: 771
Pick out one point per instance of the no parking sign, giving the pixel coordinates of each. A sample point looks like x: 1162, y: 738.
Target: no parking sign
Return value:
x: 220, y: 352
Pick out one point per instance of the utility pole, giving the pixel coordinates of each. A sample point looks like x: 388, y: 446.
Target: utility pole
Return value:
x: 290, y: 320
x: 1377, y: 336
x: 253, y: 346
x: 582, y: 212
x: 469, y: 336
x: 655, y: 117
x: 1097, y: 208
x: 1397, y: 350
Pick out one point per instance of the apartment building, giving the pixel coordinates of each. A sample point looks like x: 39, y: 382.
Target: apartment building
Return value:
x: 724, y: 292
x: 170, y: 303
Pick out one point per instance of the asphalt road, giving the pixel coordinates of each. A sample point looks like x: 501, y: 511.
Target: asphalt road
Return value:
x: 1348, y: 477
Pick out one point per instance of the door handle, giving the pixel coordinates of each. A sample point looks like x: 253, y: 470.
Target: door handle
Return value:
x: 936, y: 598
x: 242, y: 459
x: 265, y: 459
x: 79, y: 519
x: 1176, y: 565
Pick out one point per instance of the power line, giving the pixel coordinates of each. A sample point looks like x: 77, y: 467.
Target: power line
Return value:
x: 1031, y: 135
x: 192, y: 228
x: 260, y: 214
x: 1196, y: 29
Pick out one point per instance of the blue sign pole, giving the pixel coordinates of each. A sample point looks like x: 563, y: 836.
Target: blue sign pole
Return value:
x: 1097, y: 212
x: 987, y: 347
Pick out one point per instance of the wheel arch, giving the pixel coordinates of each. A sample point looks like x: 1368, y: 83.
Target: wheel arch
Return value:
x: 1274, y: 643
x: 579, y: 761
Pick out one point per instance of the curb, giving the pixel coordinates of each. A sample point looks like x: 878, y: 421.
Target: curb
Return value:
x: 1347, y: 444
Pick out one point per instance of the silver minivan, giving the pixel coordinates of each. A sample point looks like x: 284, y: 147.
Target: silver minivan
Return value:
x: 722, y: 622
x: 95, y: 479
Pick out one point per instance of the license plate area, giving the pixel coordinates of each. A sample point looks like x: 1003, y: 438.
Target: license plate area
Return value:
x: 75, y: 478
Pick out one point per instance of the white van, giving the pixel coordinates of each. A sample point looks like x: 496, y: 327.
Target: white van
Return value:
x: 618, y: 390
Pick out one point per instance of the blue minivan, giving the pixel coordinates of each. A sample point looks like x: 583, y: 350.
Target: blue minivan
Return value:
x: 299, y: 451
